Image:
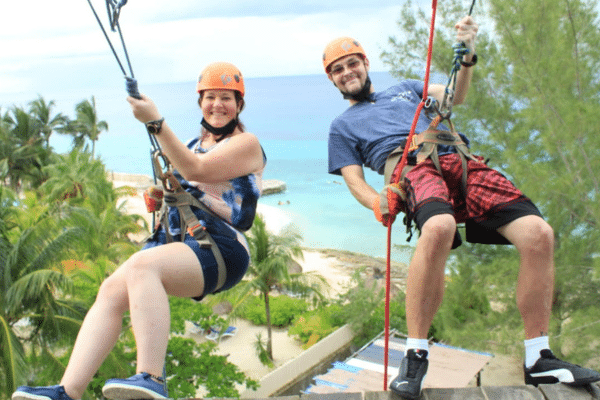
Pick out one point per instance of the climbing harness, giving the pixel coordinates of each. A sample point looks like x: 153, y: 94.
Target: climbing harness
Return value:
x: 393, y: 195
x: 173, y: 194
x: 427, y: 143
x: 170, y: 193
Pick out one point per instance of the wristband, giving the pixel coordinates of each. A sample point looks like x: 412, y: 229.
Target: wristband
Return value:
x: 154, y: 127
x: 471, y: 63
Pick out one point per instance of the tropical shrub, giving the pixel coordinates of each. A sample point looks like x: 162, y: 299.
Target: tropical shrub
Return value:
x: 284, y: 310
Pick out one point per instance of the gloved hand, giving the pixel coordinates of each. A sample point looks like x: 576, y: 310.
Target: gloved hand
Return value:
x: 395, y: 197
x: 385, y: 219
x: 153, y: 197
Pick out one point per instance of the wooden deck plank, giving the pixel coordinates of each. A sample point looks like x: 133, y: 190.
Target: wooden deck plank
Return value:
x: 453, y: 394
x: 512, y: 392
x: 564, y: 392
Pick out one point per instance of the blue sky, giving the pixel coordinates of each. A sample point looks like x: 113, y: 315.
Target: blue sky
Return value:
x: 50, y: 46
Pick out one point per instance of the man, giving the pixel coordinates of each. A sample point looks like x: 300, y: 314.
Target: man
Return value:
x: 373, y: 126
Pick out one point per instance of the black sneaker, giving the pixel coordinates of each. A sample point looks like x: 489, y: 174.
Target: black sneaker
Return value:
x: 549, y: 369
x: 413, y: 369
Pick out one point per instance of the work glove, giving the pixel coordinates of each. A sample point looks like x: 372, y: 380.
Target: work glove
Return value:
x: 394, y: 197
x: 153, y: 197
x: 385, y: 219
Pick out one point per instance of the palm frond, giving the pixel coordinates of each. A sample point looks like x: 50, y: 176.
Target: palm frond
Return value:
x: 12, y: 357
x: 57, y: 247
x: 35, y: 290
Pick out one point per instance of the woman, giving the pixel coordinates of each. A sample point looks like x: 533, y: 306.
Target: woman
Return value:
x: 222, y: 168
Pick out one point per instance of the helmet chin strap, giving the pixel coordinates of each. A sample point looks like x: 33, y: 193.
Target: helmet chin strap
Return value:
x: 363, y: 95
x: 222, y: 131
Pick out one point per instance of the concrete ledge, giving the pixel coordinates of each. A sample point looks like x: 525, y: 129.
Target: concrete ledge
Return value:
x: 279, y: 380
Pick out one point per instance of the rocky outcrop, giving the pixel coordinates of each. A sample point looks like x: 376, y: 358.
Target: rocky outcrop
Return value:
x: 273, y: 186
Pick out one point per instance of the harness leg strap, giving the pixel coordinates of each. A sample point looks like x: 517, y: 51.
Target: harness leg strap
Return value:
x: 183, y: 201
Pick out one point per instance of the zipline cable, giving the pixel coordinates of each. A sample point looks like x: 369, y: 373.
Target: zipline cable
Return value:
x: 402, y: 164
x: 113, y: 8
x: 459, y: 53
x: 113, y: 16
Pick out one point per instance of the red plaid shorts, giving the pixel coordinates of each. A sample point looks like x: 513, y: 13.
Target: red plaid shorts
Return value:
x: 490, y: 199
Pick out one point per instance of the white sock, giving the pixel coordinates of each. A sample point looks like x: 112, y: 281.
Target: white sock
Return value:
x: 417, y: 344
x: 533, y: 348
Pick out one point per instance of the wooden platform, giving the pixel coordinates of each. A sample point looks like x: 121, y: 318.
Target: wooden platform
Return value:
x: 543, y: 392
x: 449, y: 367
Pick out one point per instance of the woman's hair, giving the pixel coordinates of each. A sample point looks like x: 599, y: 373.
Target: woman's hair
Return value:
x: 239, y: 100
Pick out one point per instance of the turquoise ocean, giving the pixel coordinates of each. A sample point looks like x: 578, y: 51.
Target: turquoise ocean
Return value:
x: 289, y: 114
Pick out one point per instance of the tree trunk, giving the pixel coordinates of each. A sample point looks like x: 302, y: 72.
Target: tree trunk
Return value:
x: 269, y: 333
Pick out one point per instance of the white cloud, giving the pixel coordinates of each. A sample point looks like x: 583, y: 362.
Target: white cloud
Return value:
x: 61, y: 44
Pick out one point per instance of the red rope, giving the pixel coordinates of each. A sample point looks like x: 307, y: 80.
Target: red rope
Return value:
x: 402, y: 164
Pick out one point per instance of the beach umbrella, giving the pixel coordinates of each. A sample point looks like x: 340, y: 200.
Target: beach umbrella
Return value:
x: 294, y: 267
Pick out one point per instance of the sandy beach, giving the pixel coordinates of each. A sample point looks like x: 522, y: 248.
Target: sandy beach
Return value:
x: 335, y: 266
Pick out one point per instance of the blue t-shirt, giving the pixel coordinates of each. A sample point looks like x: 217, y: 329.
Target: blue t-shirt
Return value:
x: 367, y: 132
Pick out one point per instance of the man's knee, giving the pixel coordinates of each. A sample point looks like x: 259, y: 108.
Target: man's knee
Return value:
x: 531, y: 235
x: 541, y: 236
x: 440, y: 228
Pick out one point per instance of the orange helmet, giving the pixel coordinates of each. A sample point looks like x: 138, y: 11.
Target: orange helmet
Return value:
x: 339, y: 48
x: 221, y: 75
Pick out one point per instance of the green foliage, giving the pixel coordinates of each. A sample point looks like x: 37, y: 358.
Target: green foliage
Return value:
x: 364, y: 309
x: 86, y: 126
x: 284, y: 310
x: 466, y: 316
x: 183, y: 310
x: 37, y: 312
x: 580, y: 325
x: 261, y: 351
x: 24, y: 147
x: 191, y: 365
x: 314, y: 325
x: 271, y: 257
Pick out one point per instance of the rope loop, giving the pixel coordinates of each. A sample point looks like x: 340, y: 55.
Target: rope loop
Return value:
x: 445, y: 109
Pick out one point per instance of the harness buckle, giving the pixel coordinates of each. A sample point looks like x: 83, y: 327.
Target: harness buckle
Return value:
x: 414, y: 145
x: 445, y: 136
x: 196, y: 230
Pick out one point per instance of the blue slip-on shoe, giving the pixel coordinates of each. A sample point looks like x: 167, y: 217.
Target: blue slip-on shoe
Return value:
x: 55, y: 392
x: 140, y: 386
x: 549, y: 369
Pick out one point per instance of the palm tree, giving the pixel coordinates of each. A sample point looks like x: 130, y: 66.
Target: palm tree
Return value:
x: 22, y: 154
x: 86, y: 125
x: 80, y: 186
x: 77, y: 176
x: 33, y: 308
x: 106, y: 233
x: 42, y: 112
x: 271, y: 257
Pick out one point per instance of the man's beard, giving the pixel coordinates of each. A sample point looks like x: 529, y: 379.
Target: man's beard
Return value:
x: 363, y: 95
